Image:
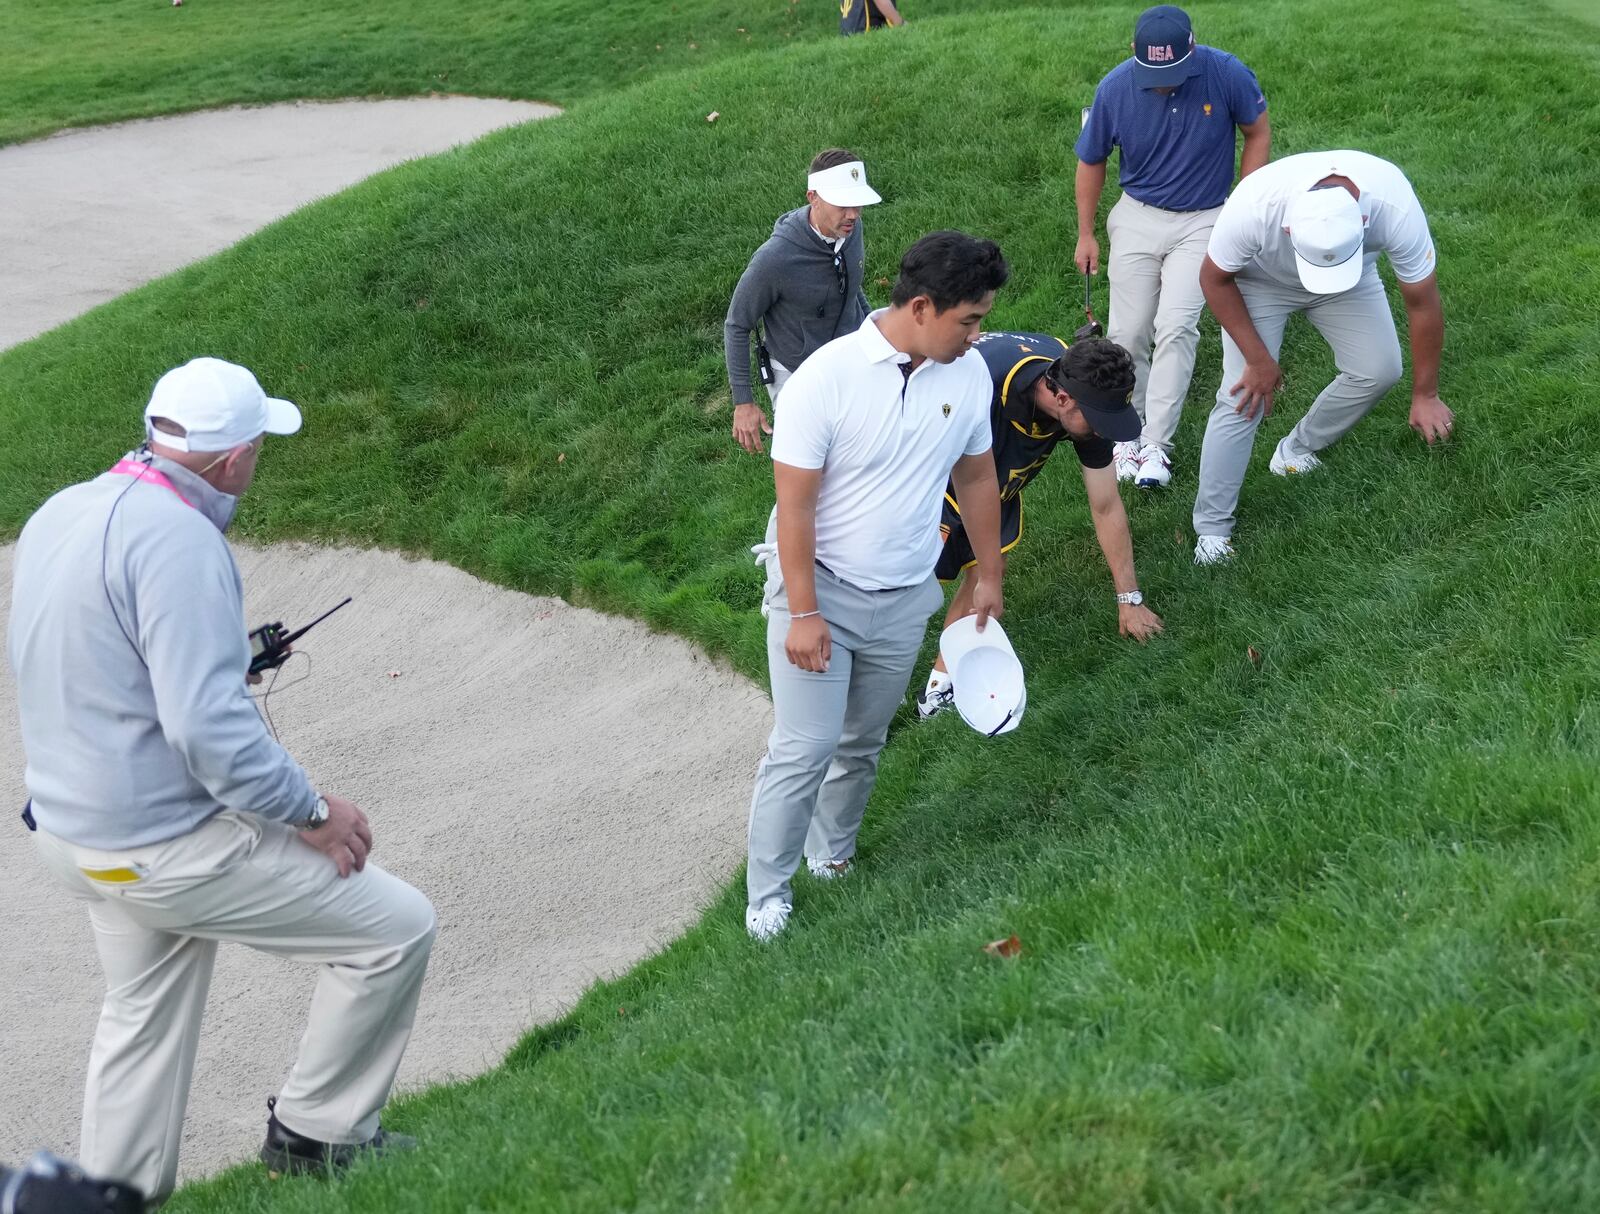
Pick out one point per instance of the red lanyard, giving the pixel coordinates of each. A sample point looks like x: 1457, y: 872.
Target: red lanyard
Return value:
x: 144, y: 472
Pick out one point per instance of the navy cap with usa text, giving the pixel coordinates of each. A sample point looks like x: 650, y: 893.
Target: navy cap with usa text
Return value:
x: 1163, y: 47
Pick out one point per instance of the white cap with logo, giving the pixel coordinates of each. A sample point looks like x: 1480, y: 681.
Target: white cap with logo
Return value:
x: 219, y: 405
x: 990, y: 695
x: 844, y: 185
x: 1328, y: 234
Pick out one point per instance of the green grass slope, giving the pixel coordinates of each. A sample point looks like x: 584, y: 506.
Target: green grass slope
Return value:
x: 103, y: 60
x: 1314, y: 936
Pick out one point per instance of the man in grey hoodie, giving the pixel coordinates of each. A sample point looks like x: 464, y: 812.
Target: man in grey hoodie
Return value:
x: 802, y: 288
x: 161, y: 801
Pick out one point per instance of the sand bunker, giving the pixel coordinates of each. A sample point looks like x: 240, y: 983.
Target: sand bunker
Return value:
x: 88, y: 214
x: 569, y: 788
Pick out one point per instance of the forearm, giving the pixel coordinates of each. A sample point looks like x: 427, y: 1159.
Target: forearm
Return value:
x: 1088, y: 185
x: 1116, y: 543
x: 736, y: 352
x: 797, y: 555
x: 1227, y: 304
x: 1426, y: 322
x: 978, y: 495
x: 1256, y: 152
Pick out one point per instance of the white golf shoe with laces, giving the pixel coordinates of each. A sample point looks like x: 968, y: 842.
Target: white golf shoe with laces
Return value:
x: 1155, y: 468
x: 1213, y: 550
x: 763, y: 923
x: 1125, y: 459
x: 1292, y: 463
x: 827, y: 870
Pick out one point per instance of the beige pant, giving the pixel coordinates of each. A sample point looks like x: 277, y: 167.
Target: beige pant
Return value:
x: 158, y: 913
x: 1156, y: 304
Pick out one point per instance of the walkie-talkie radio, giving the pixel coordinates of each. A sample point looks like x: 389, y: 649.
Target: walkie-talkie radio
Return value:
x: 269, y: 644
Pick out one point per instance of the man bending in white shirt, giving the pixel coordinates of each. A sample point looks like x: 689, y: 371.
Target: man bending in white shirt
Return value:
x: 1303, y: 234
x: 873, y: 425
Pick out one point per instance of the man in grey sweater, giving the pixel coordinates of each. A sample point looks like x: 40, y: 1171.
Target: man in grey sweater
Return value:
x: 159, y: 798
x: 802, y: 288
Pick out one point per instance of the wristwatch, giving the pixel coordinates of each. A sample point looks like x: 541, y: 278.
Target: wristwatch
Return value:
x: 319, y: 815
x: 1130, y: 598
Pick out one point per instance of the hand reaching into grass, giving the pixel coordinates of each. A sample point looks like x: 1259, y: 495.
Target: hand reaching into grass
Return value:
x: 749, y: 423
x: 1432, y: 418
x: 1137, y: 621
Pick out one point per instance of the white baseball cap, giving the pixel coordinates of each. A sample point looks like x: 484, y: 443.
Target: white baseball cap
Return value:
x: 1327, y: 231
x: 220, y: 406
x: 844, y: 185
x: 990, y: 694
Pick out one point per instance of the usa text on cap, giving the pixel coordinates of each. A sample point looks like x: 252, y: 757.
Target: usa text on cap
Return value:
x: 1163, y: 48
x: 844, y: 185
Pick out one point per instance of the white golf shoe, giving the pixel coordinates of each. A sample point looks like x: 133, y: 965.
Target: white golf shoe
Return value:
x: 767, y: 921
x: 827, y: 870
x: 1287, y: 463
x: 1213, y: 550
x: 1125, y: 459
x: 939, y: 694
x: 1155, y: 469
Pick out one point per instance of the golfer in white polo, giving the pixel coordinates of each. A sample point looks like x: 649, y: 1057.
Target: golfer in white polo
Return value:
x: 161, y: 801
x: 872, y: 427
x: 1303, y: 234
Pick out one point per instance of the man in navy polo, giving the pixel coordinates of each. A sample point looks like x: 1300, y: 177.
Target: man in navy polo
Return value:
x: 1172, y: 109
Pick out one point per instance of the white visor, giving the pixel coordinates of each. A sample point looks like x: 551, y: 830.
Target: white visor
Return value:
x: 844, y: 185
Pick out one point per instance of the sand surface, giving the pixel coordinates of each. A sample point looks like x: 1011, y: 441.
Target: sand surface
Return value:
x: 569, y: 788
x: 88, y: 214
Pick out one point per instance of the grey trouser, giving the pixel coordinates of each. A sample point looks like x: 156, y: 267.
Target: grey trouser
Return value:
x: 1154, y: 267
x: 158, y: 913
x: 822, y: 757
x: 1358, y: 326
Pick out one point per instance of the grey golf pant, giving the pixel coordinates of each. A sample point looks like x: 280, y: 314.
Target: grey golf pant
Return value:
x: 1358, y: 326
x: 828, y: 729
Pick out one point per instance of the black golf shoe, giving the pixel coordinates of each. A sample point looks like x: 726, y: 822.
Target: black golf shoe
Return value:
x: 288, y: 1153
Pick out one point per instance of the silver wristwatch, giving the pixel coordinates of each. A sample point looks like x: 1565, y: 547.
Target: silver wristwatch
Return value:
x: 319, y: 815
x: 1130, y: 598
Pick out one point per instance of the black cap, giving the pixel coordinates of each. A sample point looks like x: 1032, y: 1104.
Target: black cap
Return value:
x: 1110, y: 413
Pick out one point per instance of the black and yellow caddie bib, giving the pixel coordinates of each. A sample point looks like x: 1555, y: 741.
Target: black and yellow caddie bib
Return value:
x: 859, y: 16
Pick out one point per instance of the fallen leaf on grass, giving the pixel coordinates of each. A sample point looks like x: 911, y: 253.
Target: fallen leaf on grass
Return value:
x: 1178, y: 537
x: 1009, y: 947
x: 883, y: 282
x: 561, y: 458
x: 1254, y: 655
x: 713, y: 116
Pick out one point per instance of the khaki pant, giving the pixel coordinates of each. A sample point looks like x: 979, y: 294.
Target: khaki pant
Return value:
x: 158, y: 913
x: 1156, y: 303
